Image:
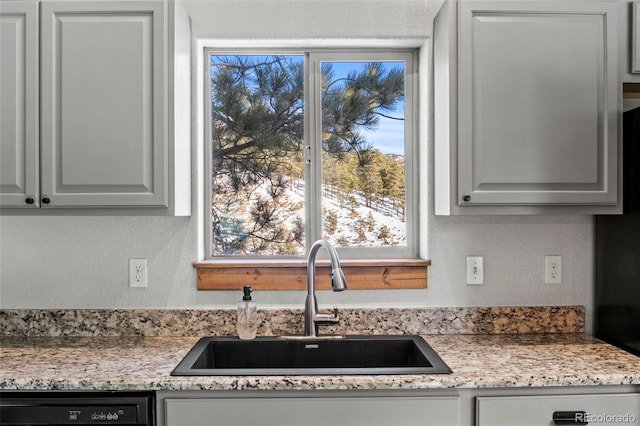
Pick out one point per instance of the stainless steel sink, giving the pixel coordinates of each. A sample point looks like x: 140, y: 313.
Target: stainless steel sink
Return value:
x: 230, y: 356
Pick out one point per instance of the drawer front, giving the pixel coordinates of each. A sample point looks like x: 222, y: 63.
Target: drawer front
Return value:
x: 622, y: 409
x: 378, y: 411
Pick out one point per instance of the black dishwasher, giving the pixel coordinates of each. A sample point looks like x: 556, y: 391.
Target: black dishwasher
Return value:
x: 76, y: 408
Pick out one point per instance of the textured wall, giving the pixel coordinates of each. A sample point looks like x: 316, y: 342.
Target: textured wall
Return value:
x: 82, y: 261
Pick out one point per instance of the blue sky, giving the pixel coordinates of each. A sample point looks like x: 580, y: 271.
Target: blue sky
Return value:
x: 389, y: 136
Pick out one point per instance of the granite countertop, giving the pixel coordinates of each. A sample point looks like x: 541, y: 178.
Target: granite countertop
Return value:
x: 477, y: 361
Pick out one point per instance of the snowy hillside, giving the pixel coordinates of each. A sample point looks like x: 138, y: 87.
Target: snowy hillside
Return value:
x: 361, y: 226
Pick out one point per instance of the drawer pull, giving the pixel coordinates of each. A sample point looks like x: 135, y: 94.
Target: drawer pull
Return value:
x: 570, y: 418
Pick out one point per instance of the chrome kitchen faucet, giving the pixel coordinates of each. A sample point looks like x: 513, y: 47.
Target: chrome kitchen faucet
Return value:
x: 312, y: 318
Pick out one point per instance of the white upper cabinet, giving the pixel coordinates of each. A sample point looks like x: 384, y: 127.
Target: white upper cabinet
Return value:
x: 103, y: 100
x: 110, y: 133
x: 19, y: 170
x: 635, y: 38
x: 629, y: 40
x: 526, y: 107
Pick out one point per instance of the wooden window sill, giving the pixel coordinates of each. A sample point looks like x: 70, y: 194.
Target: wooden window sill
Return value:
x: 291, y: 274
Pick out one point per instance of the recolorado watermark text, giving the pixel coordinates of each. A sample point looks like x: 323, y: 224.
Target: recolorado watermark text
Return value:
x: 603, y: 418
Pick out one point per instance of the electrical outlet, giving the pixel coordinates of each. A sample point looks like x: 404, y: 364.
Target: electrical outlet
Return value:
x: 475, y: 270
x: 137, y: 272
x: 553, y: 269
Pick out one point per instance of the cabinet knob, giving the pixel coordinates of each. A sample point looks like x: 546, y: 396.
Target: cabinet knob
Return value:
x: 29, y: 200
x: 45, y: 200
x: 466, y: 198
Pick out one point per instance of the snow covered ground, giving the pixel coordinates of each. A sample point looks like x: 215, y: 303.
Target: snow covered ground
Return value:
x: 361, y: 226
x: 345, y: 223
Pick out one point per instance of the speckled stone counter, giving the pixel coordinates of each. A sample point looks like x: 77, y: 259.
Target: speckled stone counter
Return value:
x: 477, y: 361
x: 278, y: 322
x: 486, y: 347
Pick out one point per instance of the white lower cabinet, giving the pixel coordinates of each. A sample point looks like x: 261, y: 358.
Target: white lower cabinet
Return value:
x: 593, y: 405
x: 619, y: 409
x: 313, y: 411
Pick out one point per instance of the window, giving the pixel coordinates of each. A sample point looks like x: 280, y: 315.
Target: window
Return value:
x: 291, y: 164
x: 312, y: 145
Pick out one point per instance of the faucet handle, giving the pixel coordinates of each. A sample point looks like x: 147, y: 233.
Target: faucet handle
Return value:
x: 326, y: 318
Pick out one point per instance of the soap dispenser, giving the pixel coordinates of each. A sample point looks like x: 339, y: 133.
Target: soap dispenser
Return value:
x: 247, y: 316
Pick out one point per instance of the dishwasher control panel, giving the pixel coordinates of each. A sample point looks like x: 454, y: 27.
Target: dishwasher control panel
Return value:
x: 86, y: 408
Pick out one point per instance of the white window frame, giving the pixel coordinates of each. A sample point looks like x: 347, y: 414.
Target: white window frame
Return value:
x: 313, y: 150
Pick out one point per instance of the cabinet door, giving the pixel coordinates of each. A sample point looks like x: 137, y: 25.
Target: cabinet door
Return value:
x: 104, y: 100
x: 19, y: 104
x: 377, y: 411
x: 538, y: 100
x: 538, y: 410
x: 635, y: 38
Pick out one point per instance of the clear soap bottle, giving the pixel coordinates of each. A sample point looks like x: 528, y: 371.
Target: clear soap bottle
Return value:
x: 247, y: 316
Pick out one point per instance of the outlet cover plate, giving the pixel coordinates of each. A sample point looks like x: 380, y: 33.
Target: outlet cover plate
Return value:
x: 553, y: 269
x: 137, y: 272
x: 475, y: 270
